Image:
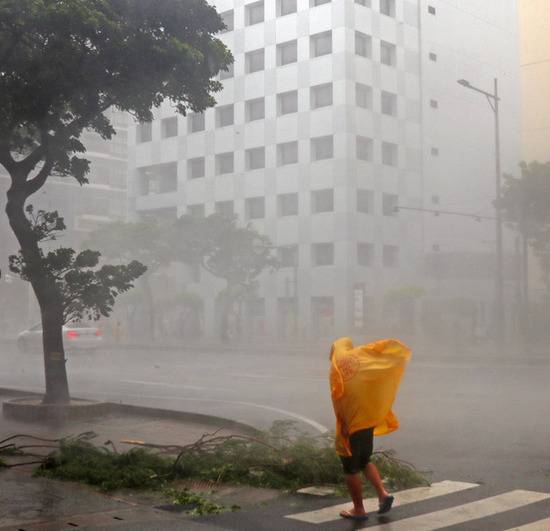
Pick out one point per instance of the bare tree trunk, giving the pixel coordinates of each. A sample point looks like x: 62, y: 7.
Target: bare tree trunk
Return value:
x: 148, y: 292
x: 49, y: 299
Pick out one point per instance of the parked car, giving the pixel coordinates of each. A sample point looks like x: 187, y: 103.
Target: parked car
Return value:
x: 76, y: 336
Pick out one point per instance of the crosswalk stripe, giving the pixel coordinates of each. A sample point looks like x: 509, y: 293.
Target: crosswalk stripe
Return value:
x: 403, y: 497
x: 466, y: 512
x: 541, y: 525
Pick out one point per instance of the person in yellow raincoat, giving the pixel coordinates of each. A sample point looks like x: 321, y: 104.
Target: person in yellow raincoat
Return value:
x: 364, y: 381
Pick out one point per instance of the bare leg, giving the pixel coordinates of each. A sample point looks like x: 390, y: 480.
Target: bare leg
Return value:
x: 355, y: 487
x: 372, y: 474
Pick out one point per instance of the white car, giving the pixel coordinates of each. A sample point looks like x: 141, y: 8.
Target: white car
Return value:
x: 76, y: 336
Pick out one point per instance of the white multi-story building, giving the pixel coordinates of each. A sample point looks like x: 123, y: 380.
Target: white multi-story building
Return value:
x: 333, y: 115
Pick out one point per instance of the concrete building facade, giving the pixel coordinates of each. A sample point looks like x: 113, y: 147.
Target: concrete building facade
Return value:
x: 334, y: 115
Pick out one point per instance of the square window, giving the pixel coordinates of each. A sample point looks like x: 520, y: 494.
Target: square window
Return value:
x: 387, y: 7
x: 196, y: 211
x: 169, y: 127
x: 315, y: 3
x: 434, y: 152
x: 196, y: 168
x: 434, y: 104
x: 320, y: 44
x: 364, y: 148
x: 254, y: 13
x: 390, y: 256
x: 287, y: 52
x: 435, y: 199
x: 322, y: 148
x: 195, y: 122
x: 228, y: 18
x: 144, y: 132
x: 321, y: 95
x: 286, y: 7
x: 224, y: 116
x: 288, y: 255
x: 322, y: 254
x: 365, y: 201
x: 363, y: 44
x: 388, y: 53
x: 390, y: 154
x: 225, y: 208
x: 224, y: 163
x: 255, y: 109
x: 255, y: 208
x: 433, y: 56
x: 365, y: 254
x: 322, y: 201
x: 287, y: 102
x: 229, y: 73
x: 254, y: 61
x: 287, y: 205
x: 287, y: 153
x: 431, y: 10
x: 389, y: 204
x: 363, y: 96
x: 255, y: 158
x: 388, y: 103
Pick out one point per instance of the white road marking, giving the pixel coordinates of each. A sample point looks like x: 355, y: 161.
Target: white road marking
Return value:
x: 466, y: 512
x: 540, y: 525
x: 404, y: 497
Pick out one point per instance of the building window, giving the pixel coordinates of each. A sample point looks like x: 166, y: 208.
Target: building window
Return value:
x: 255, y: 158
x: 287, y: 153
x: 287, y: 205
x: 387, y: 7
x: 434, y: 152
x: 255, y: 109
x: 196, y: 168
x: 322, y: 254
x: 144, y: 132
x: 388, y: 53
x: 322, y: 201
x: 434, y: 104
x: 363, y: 96
x: 225, y: 208
x: 225, y: 116
x: 390, y: 256
x: 388, y: 103
x: 364, y: 148
x: 315, y: 3
x: 196, y: 211
x: 365, y: 254
x: 390, y: 203
x: 364, y: 3
x: 254, y: 61
x: 195, y: 122
x: 390, y: 154
x: 435, y: 199
x: 288, y: 256
x: 287, y: 102
x: 255, y: 208
x: 287, y: 52
x: 169, y: 127
x: 320, y: 44
x: 254, y: 13
x: 286, y: 7
x: 431, y: 10
x: 365, y: 201
x: 433, y: 57
x: 322, y: 147
x: 228, y: 18
x: 321, y: 95
x: 224, y: 163
x: 229, y: 73
x: 363, y: 44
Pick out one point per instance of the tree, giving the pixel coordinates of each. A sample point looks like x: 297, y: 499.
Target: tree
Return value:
x: 147, y: 241
x: 63, y: 63
x: 238, y: 255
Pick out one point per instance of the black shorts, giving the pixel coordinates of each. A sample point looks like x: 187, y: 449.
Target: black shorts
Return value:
x: 361, y: 443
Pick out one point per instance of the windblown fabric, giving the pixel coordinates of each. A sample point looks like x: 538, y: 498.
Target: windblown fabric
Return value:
x: 364, y: 381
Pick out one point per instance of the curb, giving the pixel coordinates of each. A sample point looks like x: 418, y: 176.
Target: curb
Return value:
x: 96, y: 409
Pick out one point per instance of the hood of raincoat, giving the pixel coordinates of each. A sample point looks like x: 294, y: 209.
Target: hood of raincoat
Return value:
x: 364, y: 381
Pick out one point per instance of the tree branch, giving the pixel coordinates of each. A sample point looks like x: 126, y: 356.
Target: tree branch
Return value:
x: 37, y: 182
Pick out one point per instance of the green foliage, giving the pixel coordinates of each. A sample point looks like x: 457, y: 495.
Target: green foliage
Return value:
x: 198, y: 505
x: 86, y: 290
x: 405, y: 293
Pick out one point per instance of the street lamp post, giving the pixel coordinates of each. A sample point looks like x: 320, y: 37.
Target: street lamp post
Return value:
x: 494, y: 99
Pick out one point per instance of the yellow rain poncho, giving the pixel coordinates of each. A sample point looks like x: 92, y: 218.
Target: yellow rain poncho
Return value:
x: 363, y: 383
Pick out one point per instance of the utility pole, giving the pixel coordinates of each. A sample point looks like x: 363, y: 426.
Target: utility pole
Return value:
x: 494, y: 100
